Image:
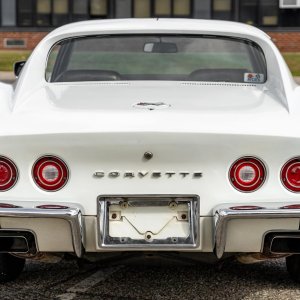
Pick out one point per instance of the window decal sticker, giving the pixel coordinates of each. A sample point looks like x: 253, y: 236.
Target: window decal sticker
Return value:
x: 254, y: 77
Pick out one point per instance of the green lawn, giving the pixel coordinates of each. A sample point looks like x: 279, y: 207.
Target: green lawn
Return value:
x: 7, y: 59
x: 293, y: 61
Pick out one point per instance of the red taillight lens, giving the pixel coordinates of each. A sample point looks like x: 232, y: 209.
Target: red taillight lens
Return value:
x: 50, y: 173
x: 246, y: 207
x: 247, y: 174
x: 8, y: 174
x: 52, y: 206
x: 5, y: 205
x: 292, y: 206
x: 290, y: 175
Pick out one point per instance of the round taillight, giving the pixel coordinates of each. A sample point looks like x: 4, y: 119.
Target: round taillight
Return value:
x: 8, y: 174
x: 50, y: 173
x: 290, y: 175
x: 247, y: 174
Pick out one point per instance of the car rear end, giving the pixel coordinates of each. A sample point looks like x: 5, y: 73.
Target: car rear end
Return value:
x: 164, y: 141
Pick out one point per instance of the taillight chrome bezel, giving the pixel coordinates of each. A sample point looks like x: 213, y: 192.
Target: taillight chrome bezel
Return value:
x: 42, y: 182
x: 283, y: 175
x: 261, y: 178
x: 14, y: 174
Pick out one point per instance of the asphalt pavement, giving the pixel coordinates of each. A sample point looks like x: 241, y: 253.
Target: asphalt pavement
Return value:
x: 153, y: 278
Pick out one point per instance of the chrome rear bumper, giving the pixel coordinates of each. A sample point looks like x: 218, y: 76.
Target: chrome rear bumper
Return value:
x: 72, y: 215
x: 224, y: 213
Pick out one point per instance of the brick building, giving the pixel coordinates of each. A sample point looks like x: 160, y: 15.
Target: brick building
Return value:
x: 24, y: 22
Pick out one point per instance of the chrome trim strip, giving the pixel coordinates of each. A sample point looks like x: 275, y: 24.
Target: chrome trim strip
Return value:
x: 107, y: 242
x: 222, y: 215
x: 72, y: 215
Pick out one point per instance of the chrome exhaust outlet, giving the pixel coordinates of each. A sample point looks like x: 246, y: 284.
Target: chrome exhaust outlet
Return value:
x: 276, y: 243
x: 17, y: 241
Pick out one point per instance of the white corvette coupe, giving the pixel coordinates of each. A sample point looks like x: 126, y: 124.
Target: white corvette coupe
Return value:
x: 155, y: 135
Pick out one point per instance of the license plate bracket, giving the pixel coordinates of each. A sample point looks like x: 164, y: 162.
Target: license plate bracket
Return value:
x: 148, y: 222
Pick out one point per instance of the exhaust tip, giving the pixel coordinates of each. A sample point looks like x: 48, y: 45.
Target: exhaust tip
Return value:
x: 282, y: 243
x: 12, y: 241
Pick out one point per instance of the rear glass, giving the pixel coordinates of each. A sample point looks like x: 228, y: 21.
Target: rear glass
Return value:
x: 157, y: 57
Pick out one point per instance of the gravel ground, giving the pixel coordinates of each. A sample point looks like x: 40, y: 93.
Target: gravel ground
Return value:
x: 153, y: 279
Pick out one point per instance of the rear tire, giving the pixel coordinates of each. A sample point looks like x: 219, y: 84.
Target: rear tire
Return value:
x: 293, y: 266
x: 10, y: 267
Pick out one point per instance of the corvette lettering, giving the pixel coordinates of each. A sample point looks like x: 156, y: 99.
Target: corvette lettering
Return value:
x: 143, y: 174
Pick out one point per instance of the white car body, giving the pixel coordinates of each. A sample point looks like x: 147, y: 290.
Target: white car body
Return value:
x: 205, y: 128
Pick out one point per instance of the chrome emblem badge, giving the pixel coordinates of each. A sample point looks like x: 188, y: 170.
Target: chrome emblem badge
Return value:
x: 151, y: 105
x: 149, y: 174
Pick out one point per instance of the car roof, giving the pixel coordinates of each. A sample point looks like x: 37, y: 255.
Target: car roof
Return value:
x: 157, y: 25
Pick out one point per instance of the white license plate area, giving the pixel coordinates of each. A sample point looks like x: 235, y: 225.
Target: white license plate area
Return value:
x: 148, y: 222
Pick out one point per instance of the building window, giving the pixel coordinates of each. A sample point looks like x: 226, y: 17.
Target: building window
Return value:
x: 142, y: 8
x: 14, y: 43
x: 260, y: 13
x: 249, y: 12
x: 60, y: 12
x: 98, y: 9
x: 269, y: 13
x: 8, y: 12
x: 290, y: 17
x: 172, y: 8
x: 43, y: 13
x: 80, y: 10
x: 222, y: 9
x: 162, y: 8
x: 25, y: 12
x: 182, y: 8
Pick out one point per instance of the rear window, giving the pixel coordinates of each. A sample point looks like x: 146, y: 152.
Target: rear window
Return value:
x: 156, y: 57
